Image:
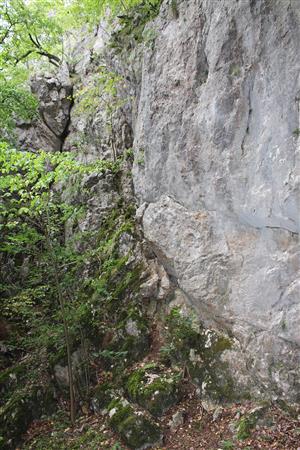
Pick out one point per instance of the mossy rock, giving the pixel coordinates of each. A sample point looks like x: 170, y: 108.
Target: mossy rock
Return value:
x: 189, y: 341
x: 190, y: 344
x: 134, y: 428
x: 22, y: 408
x: 132, y: 336
x: 133, y: 24
x: 153, y: 389
x: 218, y: 384
x: 247, y: 422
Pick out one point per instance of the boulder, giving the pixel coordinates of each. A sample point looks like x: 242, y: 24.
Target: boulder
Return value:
x: 134, y: 427
x: 154, y: 389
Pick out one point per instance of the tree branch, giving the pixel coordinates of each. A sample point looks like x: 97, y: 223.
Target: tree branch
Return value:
x: 53, y: 59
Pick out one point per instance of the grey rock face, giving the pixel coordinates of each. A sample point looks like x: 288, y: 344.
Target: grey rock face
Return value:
x: 103, y: 128
x: 55, y: 102
x: 103, y: 197
x: 218, y: 131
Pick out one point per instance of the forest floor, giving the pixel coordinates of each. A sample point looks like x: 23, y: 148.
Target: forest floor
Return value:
x: 198, y: 429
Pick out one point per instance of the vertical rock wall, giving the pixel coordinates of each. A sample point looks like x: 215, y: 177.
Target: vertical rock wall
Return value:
x: 217, y: 163
x: 216, y: 142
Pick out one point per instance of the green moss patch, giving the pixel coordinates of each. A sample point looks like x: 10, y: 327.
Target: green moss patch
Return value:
x: 247, y: 422
x: 199, y: 351
x: 154, y: 389
x: 136, y: 430
x: 133, y: 24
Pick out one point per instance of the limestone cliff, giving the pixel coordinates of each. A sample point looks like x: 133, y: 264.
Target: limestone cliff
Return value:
x: 210, y: 103
x: 218, y: 129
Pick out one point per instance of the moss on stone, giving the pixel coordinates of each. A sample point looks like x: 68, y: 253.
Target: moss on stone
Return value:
x: 134, y: 428
x: 199, y: 350
x: 154, y: 390
x: 131, y: 334
x: 217, y: 382
x: 247, y: 422
x: 132, y: 25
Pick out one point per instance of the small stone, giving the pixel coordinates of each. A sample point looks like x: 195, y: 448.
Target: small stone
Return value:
x: 217, y: 413
x: 112, y: 412
x: 132, y: 328
x: 208, y: 405
x: 176, y: 421
x: 140, y: 212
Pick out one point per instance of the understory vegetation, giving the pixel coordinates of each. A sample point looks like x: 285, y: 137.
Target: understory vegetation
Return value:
x: 69, y: 294
x: 49, y: 308
x: 92, y: 356
x: 35, y: 35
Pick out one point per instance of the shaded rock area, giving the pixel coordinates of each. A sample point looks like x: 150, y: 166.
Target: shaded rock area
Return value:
x: 192, y: 286
x: 137, y: 431
x: 55, y: 96
x: 154, y: 389
x: 24, y: 406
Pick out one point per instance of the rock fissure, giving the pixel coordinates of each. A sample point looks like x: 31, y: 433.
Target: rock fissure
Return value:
x: 192, y: 123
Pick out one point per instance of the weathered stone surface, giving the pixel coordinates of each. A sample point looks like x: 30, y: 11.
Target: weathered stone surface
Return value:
x: 135, y: 428
x: 102, y: 198
x: 50, y: 130
x: 218, y: 131
x: 154, y: 389
x: 157, y: 284
x: 103, y: 129
x: 177, y: 420
x: 216, y: 143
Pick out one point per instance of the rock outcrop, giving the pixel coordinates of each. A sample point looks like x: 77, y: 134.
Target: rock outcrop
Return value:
x: 213, y: 108
x: 49, y: 131
x: 216, y: 159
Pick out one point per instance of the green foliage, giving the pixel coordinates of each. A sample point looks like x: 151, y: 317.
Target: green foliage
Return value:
x: 90, y: 11
x: 39, y: 33
x: 27, y: 202
x: 244, y: 427
x: 46, y: 264
x: 248, y: 422
x: 34, y: 211
x: 133, y: 21
x: 37, y: 28
x: 227, y: 445
x: 23, y: 26
x: 15, y: 103
x: 199, y: 351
